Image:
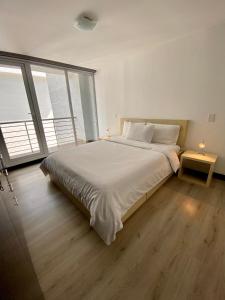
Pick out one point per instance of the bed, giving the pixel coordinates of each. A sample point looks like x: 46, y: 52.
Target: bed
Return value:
x: 109, y: 180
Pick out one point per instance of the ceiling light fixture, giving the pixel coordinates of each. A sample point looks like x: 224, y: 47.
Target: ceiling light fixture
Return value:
x: 85, y: 22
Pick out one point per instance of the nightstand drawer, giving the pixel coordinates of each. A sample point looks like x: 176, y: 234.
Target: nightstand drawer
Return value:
x: 196, y: 165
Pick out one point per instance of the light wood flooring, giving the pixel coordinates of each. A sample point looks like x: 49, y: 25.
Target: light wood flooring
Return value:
x: 173, y: 247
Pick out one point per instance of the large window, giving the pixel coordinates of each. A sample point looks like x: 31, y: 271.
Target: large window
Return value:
x: 83, y: 105
x: 53, y: 102
x: 44, y: 108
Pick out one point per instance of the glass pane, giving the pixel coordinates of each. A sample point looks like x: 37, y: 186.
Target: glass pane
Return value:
x: 77, y: 106
x: 15, y: 116
x: 51, y: 91
x: 13, y: 97
x: 83, y: 103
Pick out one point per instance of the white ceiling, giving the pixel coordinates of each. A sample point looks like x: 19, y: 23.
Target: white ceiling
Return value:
x: 44, y: 28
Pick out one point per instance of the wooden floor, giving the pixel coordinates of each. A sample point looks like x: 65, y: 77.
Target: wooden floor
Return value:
x: 18, y: 279
x: 172, y: 248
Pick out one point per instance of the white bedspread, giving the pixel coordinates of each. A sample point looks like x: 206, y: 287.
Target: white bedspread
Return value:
x: 109, y: 177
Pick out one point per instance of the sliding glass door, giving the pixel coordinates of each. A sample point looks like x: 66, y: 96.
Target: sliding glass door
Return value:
x: 56, y: 114
x: 82, y: 96
x: 18, y: 127
x: 43, y: 109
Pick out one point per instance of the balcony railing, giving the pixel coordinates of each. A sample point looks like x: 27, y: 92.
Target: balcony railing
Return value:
x: 21, y: 139
x: 58, y: 132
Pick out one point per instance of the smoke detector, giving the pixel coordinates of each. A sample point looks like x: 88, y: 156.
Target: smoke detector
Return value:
x: 85, y: 22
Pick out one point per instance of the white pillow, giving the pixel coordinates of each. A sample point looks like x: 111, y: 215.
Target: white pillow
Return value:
x: 126, y: 126
x: 140, y: 132
x: 165, y: 134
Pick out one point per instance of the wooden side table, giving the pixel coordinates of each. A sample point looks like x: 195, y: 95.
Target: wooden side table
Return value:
x: 197, y: 168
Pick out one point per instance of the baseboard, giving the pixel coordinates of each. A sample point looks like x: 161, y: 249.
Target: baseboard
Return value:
x: 219, y: 176
x: 26, y: 164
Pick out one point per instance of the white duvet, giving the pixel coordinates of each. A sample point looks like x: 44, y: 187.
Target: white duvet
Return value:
x: 110, y: 176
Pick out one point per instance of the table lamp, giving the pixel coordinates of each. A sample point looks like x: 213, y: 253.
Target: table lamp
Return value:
x: 201, y: 147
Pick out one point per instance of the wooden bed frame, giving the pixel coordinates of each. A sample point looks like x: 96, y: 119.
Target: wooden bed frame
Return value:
x: 181, y: 140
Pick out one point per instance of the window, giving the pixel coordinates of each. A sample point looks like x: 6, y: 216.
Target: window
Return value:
x: 44, y: 108
x: 83, y: 105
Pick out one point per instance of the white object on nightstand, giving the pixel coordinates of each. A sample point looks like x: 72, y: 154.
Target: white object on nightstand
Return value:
x: 194, y: 164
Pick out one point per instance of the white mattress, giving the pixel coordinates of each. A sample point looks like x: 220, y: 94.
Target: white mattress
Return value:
x: 110, y: 176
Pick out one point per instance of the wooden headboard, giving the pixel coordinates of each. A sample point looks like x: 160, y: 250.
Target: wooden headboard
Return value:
x: 183, y: 126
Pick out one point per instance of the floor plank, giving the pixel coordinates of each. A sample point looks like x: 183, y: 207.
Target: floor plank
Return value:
x: 172, y: 248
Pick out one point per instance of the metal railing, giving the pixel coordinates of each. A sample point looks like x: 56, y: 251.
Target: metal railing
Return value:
x: 58, y: 132
x: 21, y: 139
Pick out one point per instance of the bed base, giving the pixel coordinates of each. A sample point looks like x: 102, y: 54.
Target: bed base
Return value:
x: 130, y: 211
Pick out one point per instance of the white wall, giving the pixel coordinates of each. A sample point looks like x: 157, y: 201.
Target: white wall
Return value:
x: 183, y: 79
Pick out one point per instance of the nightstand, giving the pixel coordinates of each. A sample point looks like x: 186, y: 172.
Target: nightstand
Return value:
x: 197, y: 168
